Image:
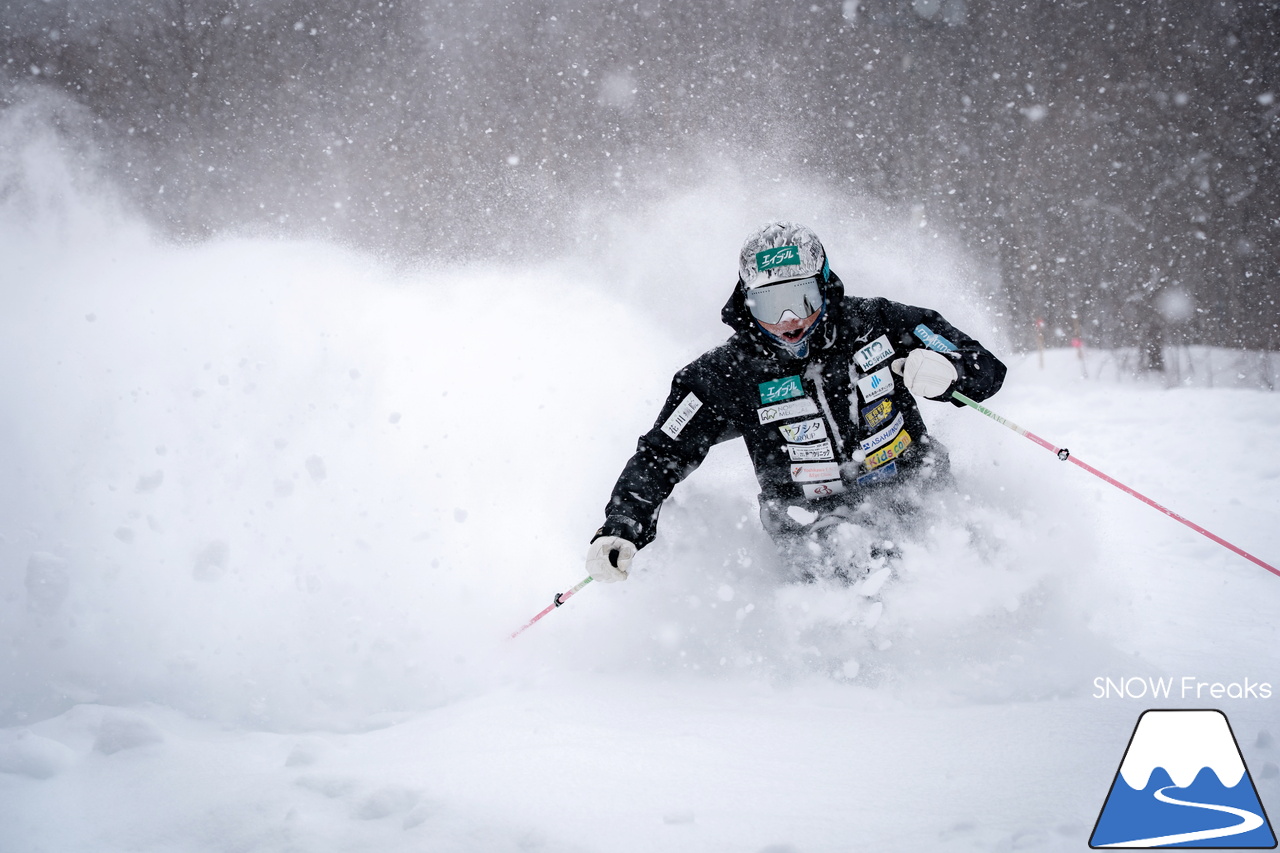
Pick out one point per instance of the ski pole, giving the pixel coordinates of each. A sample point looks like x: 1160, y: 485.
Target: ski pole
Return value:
x: 1065, y: 455
x: 560, y: 598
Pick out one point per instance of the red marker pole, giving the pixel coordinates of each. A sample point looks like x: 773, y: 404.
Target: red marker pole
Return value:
x: 560, y: 598
x: 1065, y: 455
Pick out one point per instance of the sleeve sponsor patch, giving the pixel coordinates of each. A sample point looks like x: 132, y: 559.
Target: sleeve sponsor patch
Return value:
x: 873, y: 353
x: 884, y: 454
x: 777, y: 390
x: 782, y: 411
x: 885, y: 473
x: 808, y: 473
x: 933, y: 340
x: 822, y: 490
x: 875, y: 415
x: 682, y: 415
x: 803, y: 431
x: 877, y: 385
x: 820, y: 452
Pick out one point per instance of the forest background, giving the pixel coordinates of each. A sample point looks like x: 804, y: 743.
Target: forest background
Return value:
x: 1111, y: 166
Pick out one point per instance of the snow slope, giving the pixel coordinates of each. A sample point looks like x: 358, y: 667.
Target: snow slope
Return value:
x: 271, y: 510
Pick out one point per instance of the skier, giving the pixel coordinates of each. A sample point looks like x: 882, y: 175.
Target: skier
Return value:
x: 819, y: 384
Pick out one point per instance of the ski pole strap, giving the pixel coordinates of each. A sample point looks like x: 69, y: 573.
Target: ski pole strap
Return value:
x: 1065, y: 455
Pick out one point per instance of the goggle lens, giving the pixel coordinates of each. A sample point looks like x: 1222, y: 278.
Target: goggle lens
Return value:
x: 802, y: 297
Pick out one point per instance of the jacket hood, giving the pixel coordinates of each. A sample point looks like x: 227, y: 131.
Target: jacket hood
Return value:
x: 737, y: 316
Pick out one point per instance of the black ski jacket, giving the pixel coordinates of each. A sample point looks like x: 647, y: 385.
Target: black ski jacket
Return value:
x: 821, y: 428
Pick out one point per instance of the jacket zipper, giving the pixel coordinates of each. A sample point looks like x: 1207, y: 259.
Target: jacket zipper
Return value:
x: 814, y: 374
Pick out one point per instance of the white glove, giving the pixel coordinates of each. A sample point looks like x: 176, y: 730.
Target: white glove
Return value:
x: 609, y: 558
x: 926, y: 373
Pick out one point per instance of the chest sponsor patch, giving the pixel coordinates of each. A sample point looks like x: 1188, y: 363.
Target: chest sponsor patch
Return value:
x: 813, y: 491
x: 682, y: 415
x: 786, y: 388
x: 804, y: 431
x: 933, y: 340
x: 877, y: 385
x: 884, y: 436
x: 884, y: 454
x: 873, y: 353
x: 880, y: 474
x: 810, y: 452
x: 783, y: 411
x: 877, y: 414
x: 808, y: 473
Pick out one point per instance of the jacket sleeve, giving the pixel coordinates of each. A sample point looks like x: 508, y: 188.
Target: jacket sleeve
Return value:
x: 979, y: 374
x: 685, y: 430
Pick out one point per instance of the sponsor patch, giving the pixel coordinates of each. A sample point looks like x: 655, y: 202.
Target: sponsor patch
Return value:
x: 884, y: 454
x: 782, y: 411
x: 783, y: 256
x: 876, y: 385
x: 822, y: 490
x: 877, y: 414
x: 885, y: 473
x: 933, y: 340
x: 803, y: 431
x: 806, y: 473
x: 810, y: 452
x: 873, y: 353
x: 682, y: 415
x: 778, y: 390
x: 884, y: 436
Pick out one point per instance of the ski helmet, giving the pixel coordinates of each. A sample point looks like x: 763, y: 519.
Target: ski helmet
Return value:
x: 783, y: 268
x: 781, y: 251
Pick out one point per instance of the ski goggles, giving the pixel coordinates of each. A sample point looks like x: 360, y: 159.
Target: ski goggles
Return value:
x: 770, y: 303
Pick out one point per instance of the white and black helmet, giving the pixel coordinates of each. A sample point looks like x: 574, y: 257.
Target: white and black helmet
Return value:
x: 781, y: 251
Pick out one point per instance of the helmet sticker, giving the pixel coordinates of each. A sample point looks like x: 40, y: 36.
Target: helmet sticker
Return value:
x: 783, y: 256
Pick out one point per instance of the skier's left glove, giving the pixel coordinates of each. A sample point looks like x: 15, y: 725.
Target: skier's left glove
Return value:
x: 609, y: 558
x: 927, y: 374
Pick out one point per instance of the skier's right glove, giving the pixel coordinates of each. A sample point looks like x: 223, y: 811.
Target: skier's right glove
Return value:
x: 609, y: 558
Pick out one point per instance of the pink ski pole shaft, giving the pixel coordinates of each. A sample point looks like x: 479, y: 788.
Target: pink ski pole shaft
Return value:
x: 560, y: 598
x: 1065, y: 455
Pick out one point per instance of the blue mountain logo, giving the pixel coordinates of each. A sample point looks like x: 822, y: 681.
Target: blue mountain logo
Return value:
x: 1183, y: 783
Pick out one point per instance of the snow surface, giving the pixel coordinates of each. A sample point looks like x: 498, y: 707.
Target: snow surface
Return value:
x: 272, y: 508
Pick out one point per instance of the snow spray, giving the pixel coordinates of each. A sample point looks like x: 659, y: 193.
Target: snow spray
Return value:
x: 1065, y: 455
x: 560, y: 598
